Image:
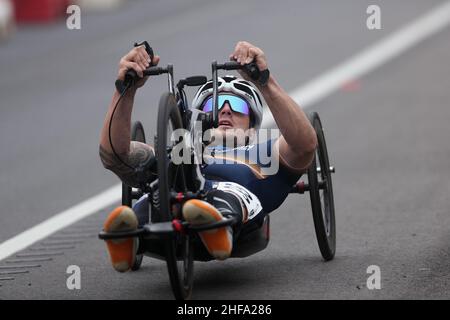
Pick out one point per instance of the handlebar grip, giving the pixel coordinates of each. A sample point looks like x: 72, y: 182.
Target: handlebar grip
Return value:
x: 231, y: 66
x: 130, y: 77
x: 154, y: 71
x: 252, y: 70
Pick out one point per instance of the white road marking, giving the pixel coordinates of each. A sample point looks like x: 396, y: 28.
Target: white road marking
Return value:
x: 60, y: 221
x: 317, y: 89
x: 369, y: 59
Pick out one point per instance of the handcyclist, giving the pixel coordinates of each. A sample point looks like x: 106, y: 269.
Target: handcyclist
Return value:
x: 239, y: 187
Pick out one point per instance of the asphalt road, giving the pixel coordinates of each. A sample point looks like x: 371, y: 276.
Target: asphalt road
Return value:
x: 387, y: 136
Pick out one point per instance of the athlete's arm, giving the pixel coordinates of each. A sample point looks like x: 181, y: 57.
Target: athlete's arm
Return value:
x: 298, y: 142
x: 131, y: 153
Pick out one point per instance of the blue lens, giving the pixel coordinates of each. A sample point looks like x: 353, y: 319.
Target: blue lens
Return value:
x: 237, y: 104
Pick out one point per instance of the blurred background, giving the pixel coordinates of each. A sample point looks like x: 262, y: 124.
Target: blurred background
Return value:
x: 387, y: 134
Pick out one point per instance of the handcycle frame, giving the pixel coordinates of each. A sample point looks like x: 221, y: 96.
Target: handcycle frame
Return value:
x: 167, y: 236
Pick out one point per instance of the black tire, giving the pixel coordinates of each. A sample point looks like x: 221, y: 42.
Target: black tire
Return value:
x: 137, y: 262
x: 127, y: 200
x: 137, y: 134
x: 179, y: 249
x: 322, y: 200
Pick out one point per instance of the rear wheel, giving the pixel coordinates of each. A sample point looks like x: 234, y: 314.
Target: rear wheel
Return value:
x: 171, y: 177
x: 321, y: 194
x: 137, y: 134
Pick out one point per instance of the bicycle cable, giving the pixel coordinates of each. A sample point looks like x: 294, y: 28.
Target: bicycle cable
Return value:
x: 110, y: 125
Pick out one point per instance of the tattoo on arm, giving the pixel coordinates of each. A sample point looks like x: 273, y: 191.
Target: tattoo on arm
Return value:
x: 140, y: 155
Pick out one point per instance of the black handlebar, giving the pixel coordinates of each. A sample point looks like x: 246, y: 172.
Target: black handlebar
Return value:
x: 131, y: 76
x: 251, y: 69
x: 230, y: 66
x: 155, y: 71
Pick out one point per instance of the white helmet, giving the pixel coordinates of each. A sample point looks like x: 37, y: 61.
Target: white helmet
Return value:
x: 238, y: 86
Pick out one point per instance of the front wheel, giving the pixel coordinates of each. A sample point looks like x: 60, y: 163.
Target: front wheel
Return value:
x: 321, y: 193
x: 171, y: 177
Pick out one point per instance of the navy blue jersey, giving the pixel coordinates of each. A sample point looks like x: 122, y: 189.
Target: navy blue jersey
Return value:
x: 253, y: 167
